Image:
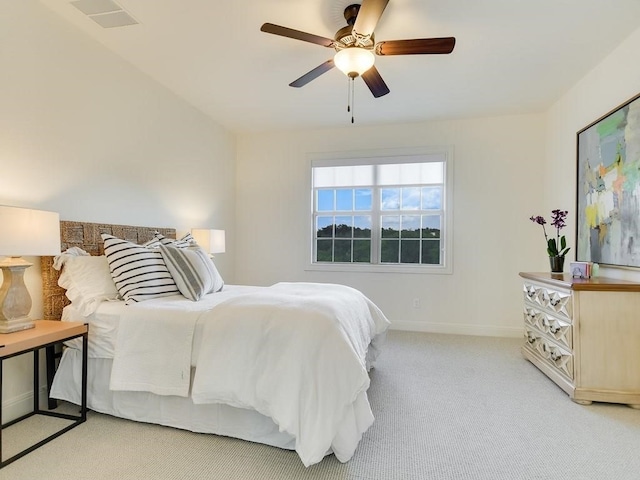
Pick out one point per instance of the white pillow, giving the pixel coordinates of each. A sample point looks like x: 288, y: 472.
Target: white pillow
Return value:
x: 88, y: 282
x: 139, y: 273
x: 193, y: 271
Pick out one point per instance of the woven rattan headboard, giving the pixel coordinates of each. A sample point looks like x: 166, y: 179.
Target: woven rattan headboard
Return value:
x: 87, y: 237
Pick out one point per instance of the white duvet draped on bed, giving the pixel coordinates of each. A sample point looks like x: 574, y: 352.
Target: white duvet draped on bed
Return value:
x: 293, y: 352
x: 297, y: 353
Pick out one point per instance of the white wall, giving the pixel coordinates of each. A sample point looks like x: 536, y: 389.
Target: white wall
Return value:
x: 497, y: 186
x: 614, y: 81
x: 85, y: 134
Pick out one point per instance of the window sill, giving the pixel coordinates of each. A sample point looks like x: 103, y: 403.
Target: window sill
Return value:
x: 368, y: 268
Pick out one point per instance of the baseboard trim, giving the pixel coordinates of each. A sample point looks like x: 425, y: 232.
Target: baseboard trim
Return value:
x: 19, y: 405
x: 458, y: 329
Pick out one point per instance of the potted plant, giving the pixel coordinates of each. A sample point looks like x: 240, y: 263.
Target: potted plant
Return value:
x: 556, y: 247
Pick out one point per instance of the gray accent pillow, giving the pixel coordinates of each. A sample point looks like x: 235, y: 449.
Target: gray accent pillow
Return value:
x: 193, y: 271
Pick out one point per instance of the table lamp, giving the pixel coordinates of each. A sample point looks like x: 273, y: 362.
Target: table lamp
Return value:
x: 212, y: 241
x: 22, y: 232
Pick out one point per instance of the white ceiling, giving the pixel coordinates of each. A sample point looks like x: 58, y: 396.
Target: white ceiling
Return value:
x: 511, y: 56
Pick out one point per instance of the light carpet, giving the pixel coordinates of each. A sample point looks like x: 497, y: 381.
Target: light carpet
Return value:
x: 446, y: 407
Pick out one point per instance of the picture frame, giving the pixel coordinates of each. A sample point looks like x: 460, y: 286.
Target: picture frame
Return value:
x: 580, y: 269
x: 608, y: 188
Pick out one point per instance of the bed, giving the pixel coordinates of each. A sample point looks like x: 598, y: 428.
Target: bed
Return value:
x: 285, y: 365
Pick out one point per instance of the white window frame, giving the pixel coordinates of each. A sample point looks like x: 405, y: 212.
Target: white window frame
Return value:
x: 387, y: 156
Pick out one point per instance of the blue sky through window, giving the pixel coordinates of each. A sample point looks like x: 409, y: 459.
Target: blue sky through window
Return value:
x: 344, y: 200
x: 432, y: 198
x: 410, y: 222
x: 363, y: 199
x: 325, y: 200
x: 324, y: 222
x: 431, y: 221
x: 390, y: 199
x: 362, y: 221
x: 411, y: 198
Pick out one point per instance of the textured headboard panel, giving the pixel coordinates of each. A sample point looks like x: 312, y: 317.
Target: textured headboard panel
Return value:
x: 87, y: 237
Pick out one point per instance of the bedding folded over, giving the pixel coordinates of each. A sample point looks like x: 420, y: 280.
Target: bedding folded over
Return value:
x: 295, y: 352
x: 153, y: 351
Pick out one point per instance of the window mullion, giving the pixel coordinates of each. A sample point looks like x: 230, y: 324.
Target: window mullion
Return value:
x: 375, y: 225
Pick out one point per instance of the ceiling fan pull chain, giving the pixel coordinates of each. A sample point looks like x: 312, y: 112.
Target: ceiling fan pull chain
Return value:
x: 348, y: 95
x: 353, y: 97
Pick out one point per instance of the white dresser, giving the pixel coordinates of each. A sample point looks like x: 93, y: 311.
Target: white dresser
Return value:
x: 584, y: 334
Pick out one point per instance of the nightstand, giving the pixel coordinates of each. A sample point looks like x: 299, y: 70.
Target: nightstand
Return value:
x: 46, y: 334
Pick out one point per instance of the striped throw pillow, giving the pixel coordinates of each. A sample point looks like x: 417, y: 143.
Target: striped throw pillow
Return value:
x: 159, y: 239
x: 193, y: 271
x: 139, y: 273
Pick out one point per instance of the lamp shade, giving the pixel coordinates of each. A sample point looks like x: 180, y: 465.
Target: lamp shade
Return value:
x: 213, y: 241
x: 354, y: 61
x: 26, y: 232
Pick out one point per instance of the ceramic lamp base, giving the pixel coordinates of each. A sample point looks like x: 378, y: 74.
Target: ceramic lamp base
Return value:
x: 16, y: 324
x: 15, y: 301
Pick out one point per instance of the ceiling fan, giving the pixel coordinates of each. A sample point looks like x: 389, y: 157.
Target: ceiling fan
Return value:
x: 355, y: 46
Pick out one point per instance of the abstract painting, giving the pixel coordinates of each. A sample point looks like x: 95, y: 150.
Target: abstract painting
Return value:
x: 608, y: 188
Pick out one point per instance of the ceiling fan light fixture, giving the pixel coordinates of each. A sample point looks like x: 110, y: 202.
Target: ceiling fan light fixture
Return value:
x: 354, y: 61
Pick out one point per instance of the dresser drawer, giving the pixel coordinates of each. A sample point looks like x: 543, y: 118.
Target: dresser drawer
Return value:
x: 555, y: 355
x: 554, y: 326
x: 555, y: 301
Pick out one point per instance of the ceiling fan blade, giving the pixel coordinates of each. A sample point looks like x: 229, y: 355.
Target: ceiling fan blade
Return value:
x: 375, y: 82
x: 313, y: 74
x: 296, y: 34
x: 368, y: 16
x: 416, y: 46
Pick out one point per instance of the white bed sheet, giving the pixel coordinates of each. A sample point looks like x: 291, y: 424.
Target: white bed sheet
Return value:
x: 171, y: 411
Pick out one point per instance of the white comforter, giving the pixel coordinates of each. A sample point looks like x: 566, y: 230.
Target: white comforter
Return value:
x: 295, y: 352
x: 157, y: 342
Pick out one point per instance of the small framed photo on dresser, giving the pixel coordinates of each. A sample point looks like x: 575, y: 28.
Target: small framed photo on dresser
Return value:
x: 580, y: 269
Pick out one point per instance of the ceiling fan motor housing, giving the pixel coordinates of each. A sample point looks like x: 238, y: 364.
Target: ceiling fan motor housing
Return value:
x: 345, y: 37
x: 350, y: 14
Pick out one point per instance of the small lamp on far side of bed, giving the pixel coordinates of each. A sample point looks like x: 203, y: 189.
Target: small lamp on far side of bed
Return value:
x: 212, y: 241
x: 22, y: 232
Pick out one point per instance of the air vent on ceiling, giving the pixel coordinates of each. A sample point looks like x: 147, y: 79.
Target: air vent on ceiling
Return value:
x: 106, y: 13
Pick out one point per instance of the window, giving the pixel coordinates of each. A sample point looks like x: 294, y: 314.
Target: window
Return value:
x: 382, y: 211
